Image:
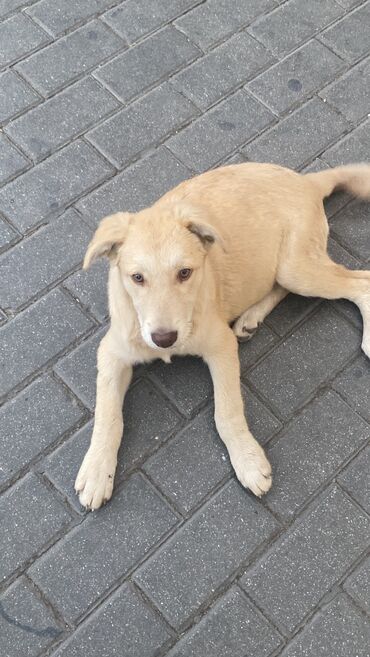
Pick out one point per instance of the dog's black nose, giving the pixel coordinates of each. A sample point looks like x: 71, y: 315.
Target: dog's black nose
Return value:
x: 164, y: 338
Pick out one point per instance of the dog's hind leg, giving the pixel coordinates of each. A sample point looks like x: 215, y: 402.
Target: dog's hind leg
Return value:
x: 247, y: 323
x: 317, y: 275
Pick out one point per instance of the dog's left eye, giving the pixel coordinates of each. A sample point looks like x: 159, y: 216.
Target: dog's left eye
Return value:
x: 184, y: 274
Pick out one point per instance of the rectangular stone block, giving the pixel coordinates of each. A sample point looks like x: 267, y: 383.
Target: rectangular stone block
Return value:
x: 49, y: 325
x: 358, y: 584
x: 90, y: 289
x: 350, y: 93
x: 350, y: 37
x: 61, y: 15
x: 63, y: 117
x: 222, y: 534
x: 146, y: 64
x: 52, y: 184
x: 19, y: 36
x: 32, y: 421
x: 141, y: 125
x: 119, y: 536
x: 44, y: 257
x: 15, y: 95
x: 220, y: 131
x: 68, y: 58
x: 12, y: 162
x: 308, y: 559
x: 356, y: 478
x: 354, y: 147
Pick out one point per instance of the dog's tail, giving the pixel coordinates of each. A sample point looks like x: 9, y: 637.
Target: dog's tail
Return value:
x: 354, y: 178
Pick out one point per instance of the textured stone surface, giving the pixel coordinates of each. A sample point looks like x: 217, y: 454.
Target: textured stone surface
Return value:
x: 164, y: 89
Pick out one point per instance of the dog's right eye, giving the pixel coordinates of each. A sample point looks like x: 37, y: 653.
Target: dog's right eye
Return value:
x: 138, y: 278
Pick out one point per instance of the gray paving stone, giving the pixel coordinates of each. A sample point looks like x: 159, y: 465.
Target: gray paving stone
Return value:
x: 339, y: 629
x: 353, y: 148
x: 19, y: 36
x: 356, y: 478
x: 118, y: 536
x: 68, y: 58
x: 304, y: 19
x: 222, y: 70
x: 351, y: 226
x: 124, y: 625
x: 337, y: 200
x: 7, y: 234
x: 298, y: 137
x: 43, y: 257
x: 51, y: 185
x: 232, y: 628
x: 11, y: 160
x: 186, y: 381
x: 358, y: 584
x: 26, y: 625
x: 60, y: 119
x: 188, y: 467
x: 290, y: 579
x: 15, y: 95
x: 90, y: 289
x: 31, y: 517
x: 252, y: 350
x: 318, y: 442
x: 78, y: 369
x: 291, y: 80
x: 218, y: 132
x: 305, y: 360
x: 350, y: 37
x: 60, y: 15
x: 140, y: 67
x: 49, y: 326
x: 350, y: 93
x: 136, y: 18
x: 137, y: 187
x: 262, y: 423
x: 222, y: 534
x: 213, y: 21
x: 341, y: 256
x: 8, y: 6
x: 289, y: 312
x: 349, y: 4
x: 27, y: 425
x: 142, y: 124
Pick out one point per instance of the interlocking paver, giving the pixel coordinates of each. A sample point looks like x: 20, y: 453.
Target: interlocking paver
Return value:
x: 350, y: 37
x: 233, y: 627
x: 27, y: 427
x: 15, y: 95
x: 350, y: 93
x: 63, y: 61
x: 19, y: 36
x: 299, y: 136
x: 137, y: 187
x: 50, y: 325
x: 140, y: 67
x: 222, y: 534
x: 52, y: 124
x: 142, y: 124
x: 11, y: 160
x: 182, y: 561
x: 304, y: 19
x: 305, y: 360
x: 32, y: 517
x: 284, y: 85
x: 315, y: 445
x: 61, y: 15
x: 27, y: 626
x: 338, y: 629
x: 222, y: 70
x: 55, y: 182
x: 212, y: 21
x: 289, y: 579
x: 46, y: 255
x: 217, y: 133
x: 119, y: 536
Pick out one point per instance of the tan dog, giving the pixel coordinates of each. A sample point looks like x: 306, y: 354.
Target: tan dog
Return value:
x: 225, y: 245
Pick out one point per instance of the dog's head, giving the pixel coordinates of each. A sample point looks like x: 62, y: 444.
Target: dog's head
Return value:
x: 161, y: 255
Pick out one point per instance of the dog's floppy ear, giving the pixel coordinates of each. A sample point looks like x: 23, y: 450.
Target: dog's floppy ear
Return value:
x: 195, y: 220
x: 109, y: 235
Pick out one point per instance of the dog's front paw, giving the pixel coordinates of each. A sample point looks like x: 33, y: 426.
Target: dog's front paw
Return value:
x: 95, y: 479
x: 252, y: 469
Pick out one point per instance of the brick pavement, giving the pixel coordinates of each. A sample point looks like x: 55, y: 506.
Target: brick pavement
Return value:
x: 104, y: 105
